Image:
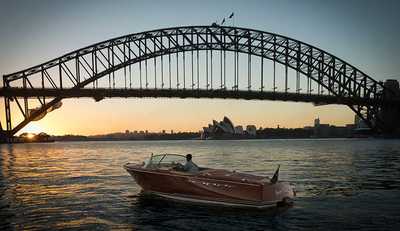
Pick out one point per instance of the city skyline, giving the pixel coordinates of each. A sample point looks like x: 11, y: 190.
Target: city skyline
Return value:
x: 349, y: 37
x: 171, y: 130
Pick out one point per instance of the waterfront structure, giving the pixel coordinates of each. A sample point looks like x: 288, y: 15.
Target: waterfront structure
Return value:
x: 226, y: 129
x: 239, y: 129
x: 222, y: 128
x: 327, y: 130
x: 328, y: 79
x: 251, y: 130
x: 359, y: 123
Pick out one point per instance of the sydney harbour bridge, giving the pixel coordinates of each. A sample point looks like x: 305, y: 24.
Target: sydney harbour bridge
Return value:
x: 200, y: 62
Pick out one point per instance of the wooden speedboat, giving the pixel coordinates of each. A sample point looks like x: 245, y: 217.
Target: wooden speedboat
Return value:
x: 161, y: 176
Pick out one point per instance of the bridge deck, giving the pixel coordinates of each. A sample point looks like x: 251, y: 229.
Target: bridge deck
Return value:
x: 100, y: 93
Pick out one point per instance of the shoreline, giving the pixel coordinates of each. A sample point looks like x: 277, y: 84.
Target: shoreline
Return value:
x: 263, y: 138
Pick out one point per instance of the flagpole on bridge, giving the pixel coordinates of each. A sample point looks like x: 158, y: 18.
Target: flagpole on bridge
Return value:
x: 232, y: 16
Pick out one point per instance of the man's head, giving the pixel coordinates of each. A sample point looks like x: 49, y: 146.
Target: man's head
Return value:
x: 188, y: 157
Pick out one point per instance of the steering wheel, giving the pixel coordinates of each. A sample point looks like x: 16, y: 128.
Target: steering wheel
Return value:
x: 178, y: 167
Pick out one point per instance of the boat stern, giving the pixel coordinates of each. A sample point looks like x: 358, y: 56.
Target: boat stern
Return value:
x: 280, y: 192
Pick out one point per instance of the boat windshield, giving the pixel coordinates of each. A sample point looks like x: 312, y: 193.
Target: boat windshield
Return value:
x: 165, y: 160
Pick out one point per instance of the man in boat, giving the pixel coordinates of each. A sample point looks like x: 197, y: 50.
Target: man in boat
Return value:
x: 190, y: 166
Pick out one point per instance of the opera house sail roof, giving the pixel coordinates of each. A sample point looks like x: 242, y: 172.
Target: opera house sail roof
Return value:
x: 224, y: 129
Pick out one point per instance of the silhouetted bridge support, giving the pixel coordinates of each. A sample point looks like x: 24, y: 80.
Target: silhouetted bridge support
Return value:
x: 200, y: 62
x: 390, y: 113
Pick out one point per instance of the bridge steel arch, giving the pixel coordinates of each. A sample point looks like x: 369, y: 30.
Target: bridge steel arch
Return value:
x: 78, y: 70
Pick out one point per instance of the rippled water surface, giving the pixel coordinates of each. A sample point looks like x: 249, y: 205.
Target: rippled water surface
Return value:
x: 341, y: 184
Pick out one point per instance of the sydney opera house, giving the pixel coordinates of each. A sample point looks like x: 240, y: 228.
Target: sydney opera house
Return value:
x: 226, y: 129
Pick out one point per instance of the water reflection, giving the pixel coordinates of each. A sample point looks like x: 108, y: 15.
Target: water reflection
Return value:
x: 340, y: 183
x: 7, y: 160
x: 151, y: 213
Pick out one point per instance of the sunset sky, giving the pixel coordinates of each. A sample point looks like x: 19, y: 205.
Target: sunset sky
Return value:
x: 364, y: 33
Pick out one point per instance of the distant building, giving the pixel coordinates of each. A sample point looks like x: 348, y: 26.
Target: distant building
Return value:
x: 359, y: 123
x: 226, y: 129
x: 327, y: 131
x: 322, y: 130
x: 316, y: 122
x: 239, y: 129
x: 361, y: 129
x: 308, y: 127
x: 251, y: 130
x: 224, y: 126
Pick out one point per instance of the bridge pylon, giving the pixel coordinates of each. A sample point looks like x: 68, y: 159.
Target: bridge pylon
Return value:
x: 390, y: 113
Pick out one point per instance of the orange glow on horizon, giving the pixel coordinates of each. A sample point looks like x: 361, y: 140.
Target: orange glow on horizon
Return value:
x: 86, y: 117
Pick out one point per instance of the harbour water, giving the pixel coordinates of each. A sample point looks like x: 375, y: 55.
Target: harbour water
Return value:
x: 341, y: 184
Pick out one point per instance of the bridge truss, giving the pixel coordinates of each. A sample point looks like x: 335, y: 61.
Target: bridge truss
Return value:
x: 194, y: 61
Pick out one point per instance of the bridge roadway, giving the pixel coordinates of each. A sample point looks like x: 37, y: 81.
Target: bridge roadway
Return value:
x: 101, y: 93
